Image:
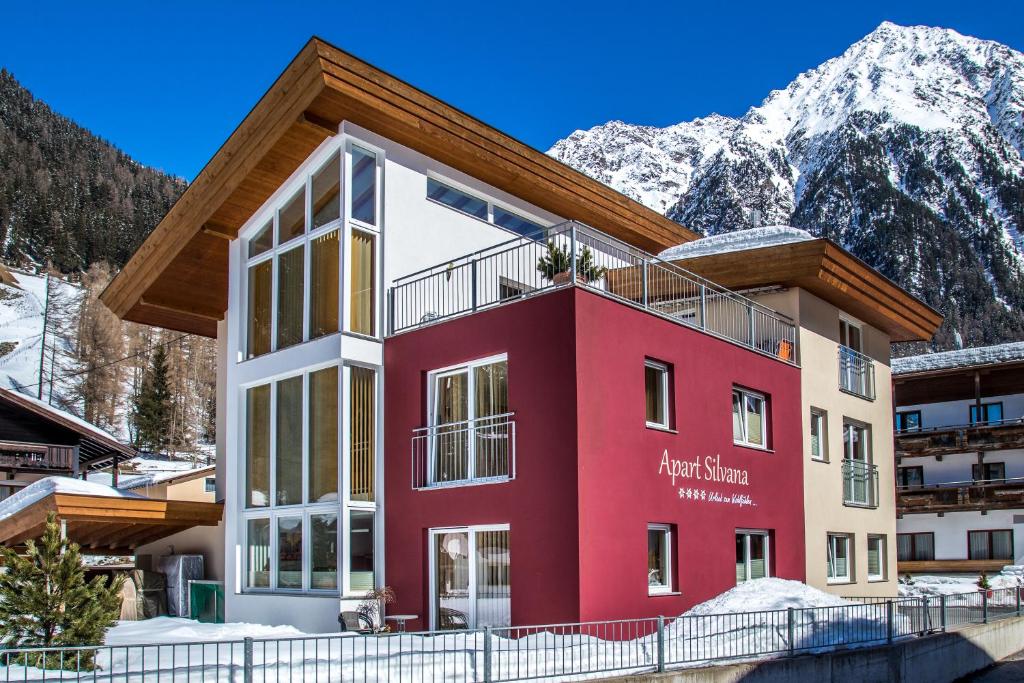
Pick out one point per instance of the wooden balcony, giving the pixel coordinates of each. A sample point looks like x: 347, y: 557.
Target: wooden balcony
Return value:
x: 961, y: 497
x: 996, y: 436
x: 37, y: 457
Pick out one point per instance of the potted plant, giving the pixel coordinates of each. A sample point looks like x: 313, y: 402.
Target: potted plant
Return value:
x: 556, y: 265
x: 984, y: 585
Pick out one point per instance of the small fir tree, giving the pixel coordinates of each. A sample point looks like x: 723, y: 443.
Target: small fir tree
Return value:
x: 983, y: 582
x: 45, y: 600
x: 151, y: 412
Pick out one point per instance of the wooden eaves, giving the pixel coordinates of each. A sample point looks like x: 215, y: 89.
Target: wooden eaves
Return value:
x: 178, y: 278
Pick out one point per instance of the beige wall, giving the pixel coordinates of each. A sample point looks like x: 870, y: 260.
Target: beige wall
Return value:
x: 189, y: 489
x: 824, y: 511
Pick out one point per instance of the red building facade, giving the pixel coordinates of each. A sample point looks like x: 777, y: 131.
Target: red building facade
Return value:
x: 625, y: 492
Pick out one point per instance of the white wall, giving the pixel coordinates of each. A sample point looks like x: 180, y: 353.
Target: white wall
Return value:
x: 951, y: 530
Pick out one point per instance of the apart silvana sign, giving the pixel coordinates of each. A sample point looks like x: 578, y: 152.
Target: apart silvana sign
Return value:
x: 708, y: 471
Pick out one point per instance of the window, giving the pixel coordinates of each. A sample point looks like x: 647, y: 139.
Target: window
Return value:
x: 362, y: 436
x: 907, y: 477
x: 360, y: 554
x: 990, y: 413
x: 210, y: 485
x: 839, y: 558
x: 850, y: 334
x: 364, y: 186
x: 908, y: 421
x: 323, y: 544
x: 510, y: 221
x: 261, y: 301
x: 916, y: 547
x: 656, y: 387
x: 748, y: 418
x: 470, y: 577
x: 257, y: 446
x: 323, y: 435
x: 467, y: 203
x: 510, y: 289
x: 659, y: 559
x: 363, y: 298
x: 988, y: 472
x: 289, y: 552
x: 470, y: 423
x: 752, y: 555
x: 323, y: 284
x: 855, y: 441
x: 326, y: 193
x: 876, y: 558
x: 258, y: 553
x: 994, y: 544
x: 288, y: 459
x: 291, y: 278
x: 819, y: 438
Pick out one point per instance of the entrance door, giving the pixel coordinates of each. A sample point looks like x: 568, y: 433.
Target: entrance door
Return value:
x: 470, y: 578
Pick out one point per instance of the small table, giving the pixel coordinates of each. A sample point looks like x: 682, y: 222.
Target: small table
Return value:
x: 400, y: 620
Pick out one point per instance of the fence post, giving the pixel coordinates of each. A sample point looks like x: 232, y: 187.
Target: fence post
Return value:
x: 487, y: 655
x: 984, y: 606
x: 942, y: 611
x: 926, y: 621
x: 247, y: 660
x: 890, y: 618
x: 790, y: 629
x: 661, y: 644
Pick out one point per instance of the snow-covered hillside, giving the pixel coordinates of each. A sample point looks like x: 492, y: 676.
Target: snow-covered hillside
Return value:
x: 906, y: 149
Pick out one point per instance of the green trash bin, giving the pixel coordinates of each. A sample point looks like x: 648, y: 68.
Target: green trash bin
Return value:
x: 206, y: 601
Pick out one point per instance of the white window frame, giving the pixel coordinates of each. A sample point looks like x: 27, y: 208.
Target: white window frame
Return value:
x: 747, y: 533
x: 745, y: 438
x: 374, y: 231
x: 472, y: 531
x: 488, y: 201
x: 851, y: 323
x: 432, y: 377
x: 849, y: 425
x: 882, y: 550
x: 666, y: 549
x: 663, y: 390
x: 830, y: 574
x: 821, y: 416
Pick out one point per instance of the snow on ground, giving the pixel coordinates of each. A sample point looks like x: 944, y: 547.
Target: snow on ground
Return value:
x: 738, y: 240
x: 38, y: 490
x: 766, y: 594
x: 175, y: 630
x: 960, y: 358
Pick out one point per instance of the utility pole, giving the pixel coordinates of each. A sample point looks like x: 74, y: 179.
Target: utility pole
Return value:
x: 42, y: 346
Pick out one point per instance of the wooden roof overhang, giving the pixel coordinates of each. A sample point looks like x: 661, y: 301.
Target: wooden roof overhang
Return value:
x: 178, y: 278
x: 957, y: 384
x: 827, y: 270
x: 108, y: 526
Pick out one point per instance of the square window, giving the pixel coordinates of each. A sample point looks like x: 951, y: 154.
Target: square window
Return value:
x: 659, y: 558
x: 915, y: 547
x: 749, y: 418
x: 210, y: 485
x: 908, y: 421
x: 656, y: 389
x: 876, y: 558
x: 839, y: 558
x: 996, y: 544
x: 819, y: 439
x: 752, y: 555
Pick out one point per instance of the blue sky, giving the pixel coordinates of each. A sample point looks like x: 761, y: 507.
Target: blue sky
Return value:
x: 168, y: 82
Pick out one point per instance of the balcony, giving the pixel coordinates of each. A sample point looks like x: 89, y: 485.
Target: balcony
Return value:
x: 480, y: 451
x: 961, y: 496
x: 856, y: 373
x: 37, y: 458
x: 948, y: 440
x: 572, y: 254
x: 860, y: 484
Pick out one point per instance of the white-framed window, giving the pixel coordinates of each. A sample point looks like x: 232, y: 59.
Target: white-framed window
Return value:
x: 876, y: 557
x: 470, y: 571
x: 659, y: 558
x: 819, y: 435
x: 468, y: 203
x: 753, y: 554
x: 656, y: 394
x: 749, y: 418
x: 470, y: 423
x: 362, y: 253
x: 310, y: 444
x: 210, y: 485
x: 840, y: 558
x: 856, y: 441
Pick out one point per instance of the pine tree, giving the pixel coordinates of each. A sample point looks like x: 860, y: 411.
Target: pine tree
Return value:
x: 152, y: 411
x: 45, y: 600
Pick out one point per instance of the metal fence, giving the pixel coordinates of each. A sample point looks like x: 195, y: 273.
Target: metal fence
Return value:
x: 455, y: 453
x: 860, y: 483
x: 494, y: 655
x: 574, y: 254
x: 856, y: 373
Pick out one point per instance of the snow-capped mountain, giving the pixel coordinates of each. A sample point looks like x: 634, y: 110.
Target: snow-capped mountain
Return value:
x: 907, y: 149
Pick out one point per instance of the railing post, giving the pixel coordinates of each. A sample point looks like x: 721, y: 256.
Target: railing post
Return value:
x: 942, y: 612
x: 703, y: 306
x: 472, y: 275
x: 488, y: 677
x: 644, y: 294
x: 247, y: 660
x: 572, y: 252
x: 925, y: 626
x: 661, y: 644
x: 984, y: 606
x: 1017, y: 592
x: 890, y: 620
x: 790, y: 630
x: 391, y: 311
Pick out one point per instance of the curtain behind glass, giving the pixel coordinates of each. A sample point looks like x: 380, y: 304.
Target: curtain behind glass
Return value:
x: 362, y: 283
x: 260, y: 300
x: 323, y: 284
x: 904, y: 547
x: 362, y: 433
x: 491, y: 437
x: 290, y: 285
x: 493, y: 588
x: 758, y: 556
x: 978, y: 545
x: 924, y: 547
x: 1002, y: 545
x: 451, y: 447
x: 323, y: 435
x: 874, y: 557
x: 257, y: 446
x: 288, y: 459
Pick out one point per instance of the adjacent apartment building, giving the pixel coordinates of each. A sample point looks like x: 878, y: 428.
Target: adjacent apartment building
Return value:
x: 450, y: 364
x: 960, y: 455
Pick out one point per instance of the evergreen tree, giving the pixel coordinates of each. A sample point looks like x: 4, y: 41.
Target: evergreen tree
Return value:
x: 152, y: 412
x: 45, y: 600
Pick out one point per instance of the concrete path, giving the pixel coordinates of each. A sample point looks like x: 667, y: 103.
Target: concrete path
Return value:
x: 1009, y: 670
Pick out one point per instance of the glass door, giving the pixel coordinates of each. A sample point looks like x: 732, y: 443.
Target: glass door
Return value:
x: 451, y: 412
x: 470, y: 576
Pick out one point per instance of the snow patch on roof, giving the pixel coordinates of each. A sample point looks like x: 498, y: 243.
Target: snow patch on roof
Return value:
x: 738, y: 240
x: 71, y: 417
x: 38, y: 490
x: 766, y: 594
x: 961, y: 358
x: 153, y: 477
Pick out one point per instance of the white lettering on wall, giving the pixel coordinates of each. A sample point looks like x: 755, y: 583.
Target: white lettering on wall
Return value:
x: 710, y: 470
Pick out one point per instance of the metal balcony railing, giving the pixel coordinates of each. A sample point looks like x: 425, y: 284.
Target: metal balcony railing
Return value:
x: 856, y: 373
x: 860, y: 483
x: 572, y: 254
x: 477, y: 451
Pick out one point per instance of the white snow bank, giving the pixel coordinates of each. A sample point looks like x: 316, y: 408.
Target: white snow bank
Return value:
x: 738, y: 240
x: 38, y: 490
x: 766, y: 594
x: 175, y: 630
x: 960, y: 358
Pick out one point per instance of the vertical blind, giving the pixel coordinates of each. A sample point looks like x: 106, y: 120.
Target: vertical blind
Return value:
x: 362, y: 282
x: 323, y: 297
x: 323, y: 435
x: 260, y: 302
x: 493, y: 587
x: 288, y: 451
x: 257, y: 446
x: 362, y: 436
x: 290, y: 286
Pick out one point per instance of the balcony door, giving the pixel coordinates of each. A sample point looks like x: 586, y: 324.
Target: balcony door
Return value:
x: 853, y: 370
x: 469, y: 575
x: 470, y: 423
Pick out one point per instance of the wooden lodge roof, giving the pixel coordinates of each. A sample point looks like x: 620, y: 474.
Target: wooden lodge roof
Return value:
x: 178, y: 278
